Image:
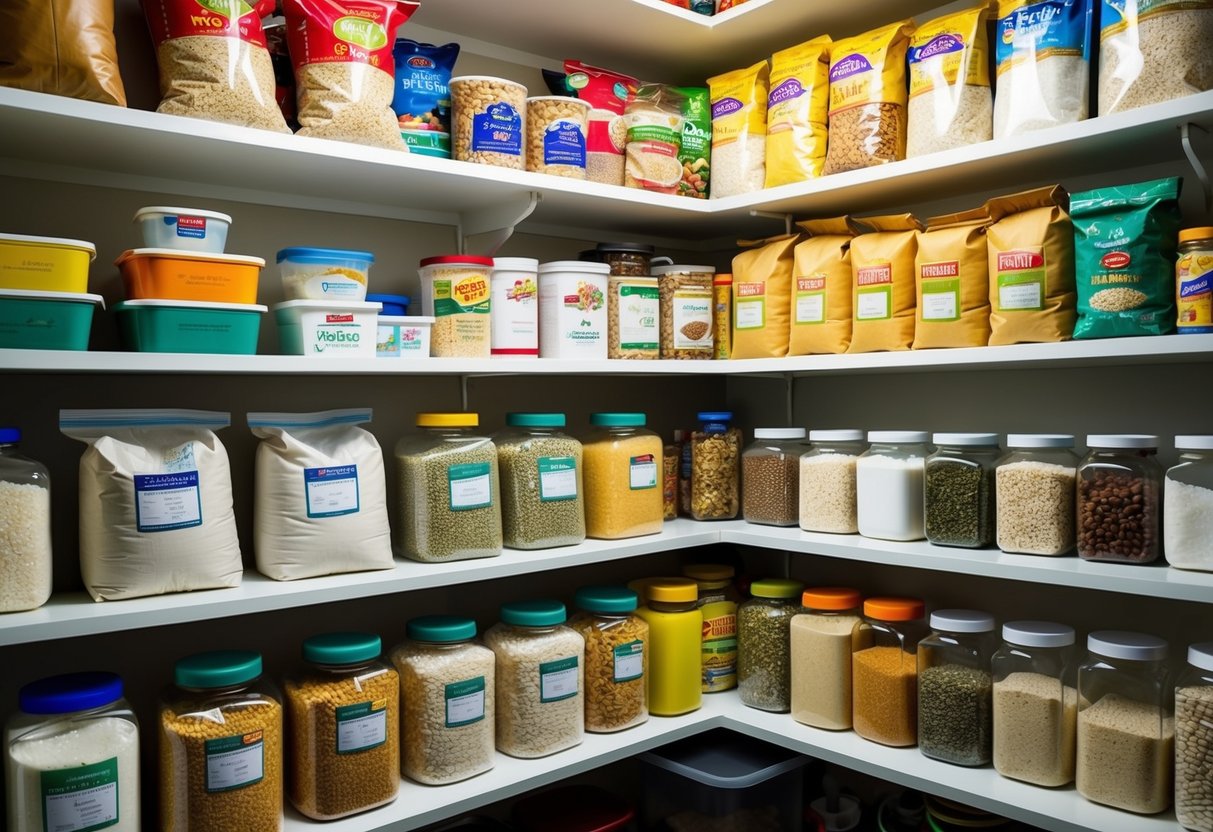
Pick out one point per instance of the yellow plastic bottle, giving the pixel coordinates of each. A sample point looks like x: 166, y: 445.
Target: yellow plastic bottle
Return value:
x: 675, y: 646
x: 718, y: 604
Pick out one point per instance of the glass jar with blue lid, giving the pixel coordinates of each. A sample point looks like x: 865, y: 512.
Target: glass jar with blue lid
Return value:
x: 715, y: 461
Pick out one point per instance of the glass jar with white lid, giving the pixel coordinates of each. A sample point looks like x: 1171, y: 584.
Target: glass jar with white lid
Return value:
x: 827, y: 481
x: 959, y: 489
x: 889, y: 484
x: 1187, y: 515
x: 954, y: 687
x: 1119, y: 483
x: 770, y: 476
x: 1034, y: 486
x: 1194, y: 741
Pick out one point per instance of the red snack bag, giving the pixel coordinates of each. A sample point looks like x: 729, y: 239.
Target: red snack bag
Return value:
x: 608, y: 94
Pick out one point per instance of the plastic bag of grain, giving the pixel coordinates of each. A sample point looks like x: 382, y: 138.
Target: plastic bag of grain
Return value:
x: 1043, y: 52
x: 950, y: 100
x: 696, y: 151
x: 607, y: 93
x: 739, y: 130
x: 797, y: 108
x: 952, y: 282
x: 655, y: 123
x: 1030, y: 247
x: 63, y: 48
x: 344, y: 72
x: 321, y: 500
x: 215, y: 66
x: 868, y: 99
x: 155, y: 502
x: 821, y: 290
x: 1124, y: 254
x: 762, y: 288
x: 882, y: 277
x: 1153, y: 51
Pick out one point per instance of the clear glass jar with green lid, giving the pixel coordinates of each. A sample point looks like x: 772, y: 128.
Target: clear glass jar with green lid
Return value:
x: 1119, y: 499
x: 770, y: 476
x: 542, y: 504
x: 1187, y: 515
x: 715, y: 467
x: 955, y: 723
x: 764, y: 668
x: 959, y: 489
x: 827, y: 481
x: 1194, y: 740
x: 1034, y: 493
x: 25, y: 501
x: 718, y: 600
x: 616, y: 657
x: 622, y: 477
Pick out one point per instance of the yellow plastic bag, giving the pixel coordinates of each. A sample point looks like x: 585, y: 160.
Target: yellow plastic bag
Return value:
x: 762, y: 280
x: 952, y: 282
x: 821, y: 288
x: 797, y: 110
x: 739, y: 130
x: 882, y: 273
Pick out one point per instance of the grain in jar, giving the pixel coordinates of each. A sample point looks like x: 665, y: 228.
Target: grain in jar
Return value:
x: 686, y: 310
x: 447, y: 700
x: 488, y: 117
x: 675, y: 642
x: 632, y: 318
x: 822, y: 641
x: 1188, y: 505
x: 889, y: 482
x: 764, y: 672
x: 221, y: 746
x: 541, y: 489
x: 715, y: 468
x: 1119, y: 485
x: 456, y: 292
x: 1194, y: 741
x: 25, y: 527
x: 622, y: 477
x: 884, y: 671
x: 770, y: 477
x: 717, y: 603
x: 616, y: 655
x: 343, y: 719
x: 954, y: 688
x: 1034, y: 494
x: 828, y: 501
x: 959, y: 489
x: 556, y: 128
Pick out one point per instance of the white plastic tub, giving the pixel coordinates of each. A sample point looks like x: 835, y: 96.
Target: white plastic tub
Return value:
x: 325, y: 274
x: 403, y: 336
x: 327, y: 329
x: 514, y: 327
x: 184, y: 229
x: 573, y: 309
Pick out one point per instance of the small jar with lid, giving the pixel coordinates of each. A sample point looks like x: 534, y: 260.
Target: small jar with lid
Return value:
x: 959, y: 489
x: 221, y: 739
x: 715, y: 457
x: 717, y: 602
x: 447, y: 690
x: 884, y: 671
x: 1187, y: 515
x: 633, y: 310
x: 630, y: 259
x: 675, y: 643
x: 1119, y: 487
x: 764, y: 665
x: 25, y: 504
x: 686, y: 310
x: 71, y: 756
x: 828, y: 500
x: 616, y: 656
x: 541, y: 490
x: 770, y: 477
x: 1034, y: 487
x: 622, y: 477
x: 1126, y: 728
x: 955, y: 723
x: 343, y: 715
x: 540, y: 679
x: 889, y: 484
x: 1035, y: 703
x: 1194, y: 741
x: 822, y: 641
x: 1193, y: 292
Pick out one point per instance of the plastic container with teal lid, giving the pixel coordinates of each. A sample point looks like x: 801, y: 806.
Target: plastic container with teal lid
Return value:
x: 1187, y: 515
x: 764, y: 670
x: 221, y: 737
x: 718, y: 600
x: 954, y: 687
x: 884, y: 671
x: 71, y: 756
x: 542, y: 499
x: 450, y: 499
x: 715, y: 467
x: 616, y: 654
x: 1194, y: 740
x: 622, y: 477
x: 675, y: 646
x: 822, y: 641
x: 25, y: 505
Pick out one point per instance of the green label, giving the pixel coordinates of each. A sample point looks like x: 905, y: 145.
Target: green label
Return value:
x: 471, y: 486
x: 874, y: 303
x: 464, y: 702
x: 940, y: 300
x: 361, y: 727
x: 646, y: 292
x: 654, y: 133
x: 558, y: 680
x: 428, y: 142
x: 235, y: 762
x: 557, y: 478
x: 81, y: 798
x: 629, y: 661
x: 360, y: 32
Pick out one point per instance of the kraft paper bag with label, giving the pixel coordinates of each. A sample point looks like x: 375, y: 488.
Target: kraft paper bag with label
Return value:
x: 762, y: 281
x: 952, y: 282
x: 821, y: 288
x: 63, y: 47
x: 882, y: 280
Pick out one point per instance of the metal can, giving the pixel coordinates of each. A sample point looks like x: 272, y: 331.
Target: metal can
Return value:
x: 1194, y: 281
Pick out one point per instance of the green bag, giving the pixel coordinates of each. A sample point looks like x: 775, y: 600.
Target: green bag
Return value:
x: 696, y: 153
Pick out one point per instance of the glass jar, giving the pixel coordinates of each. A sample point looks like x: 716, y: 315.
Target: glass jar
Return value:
x: 959, y: 489
x: 827, y: 481
x: 954, y: 687
x: 1119, y: 482
x: 770, y: 477
x: 616, y: 655
x: 675, y: 642
x: 450, y: 507
x: 540, y: 679
x: 884, y: 671
x: 1126, y: 732
x: 541, y: 491
x: 1193, y: 294
x: 622, y: 491
x: 633, y: 328
x: 447, y: 688
x: 630, y: 259
x: 221, y: 746
x: 25, y: 505
x: 717, y: 602
x: 1034, y: 487
x: 686, y: 310
x: 1035, y: 703
x: 1194, y: 741
x: 343, y: 712
x: 764, y: 664
x: 715, y: 454
x: 71, y: 756
x: 1187, y: 515
x: 822, y: 641
x: 671, y: 455
x: 889, y: 485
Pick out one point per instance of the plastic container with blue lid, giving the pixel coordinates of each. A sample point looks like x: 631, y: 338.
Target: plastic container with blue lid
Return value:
x: 331, y: 274
x: 393, y: 305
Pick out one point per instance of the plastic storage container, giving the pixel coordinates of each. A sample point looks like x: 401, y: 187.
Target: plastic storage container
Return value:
x: 450, y: 499
x: 631, y: 259
x: 45, y: 264
x: 456, y: 291
x: 488, y: 117
x: 168, y: 274
x: 1193, y: 292
x: 329, y: 274
x: 1194, y: 741
x: 221, y: 746
x: 889, y: 485
x: 573, y: 309
x: 622, y: 477
x: 71, y: 756
x: 717, y: 602
x: 715, y: 467
x: 1119, y: 485
x: 541, y: 488
x: 954, y: 688
x: 327, y: 329
x: 190, y: 326
x: 884, y: 671
x: 616, y: 656
x: 556, y: 127
x: 343, y: 712
x: 675, y: 644
x: 822, y: 640
x: 633, y: 329
x: 32, y: 320
x: 959, y: 489
x: 686, y: 310
x: 828, y: 501
x: 722, y: 316
x: 403, y: 336
x: 770, y: 477
x: 448, y: 700
x: 514, y: 326
x: 1188, y: 505
x: 764, y: 670
x: 183, y: 229
x: 25, y: 517
x: 1034, y: 486
x: 394, y: 306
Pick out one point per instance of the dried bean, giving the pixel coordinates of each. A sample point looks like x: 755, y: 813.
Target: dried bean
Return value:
x: 1117, y: 516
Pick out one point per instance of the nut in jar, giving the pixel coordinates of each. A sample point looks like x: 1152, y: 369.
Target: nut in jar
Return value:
x: 488, y: 119
x: 555, y: 135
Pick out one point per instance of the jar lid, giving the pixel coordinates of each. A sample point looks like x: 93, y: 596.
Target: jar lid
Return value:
x: 672, y: 590
x: 448, y: 420
x: 893, y: 609
x: 1199, y: 655
x: 1182, y: 443
x: 887, y: 436
x: 1121, y: 644
x: 515, y: 264
x: 70, y: 692
x: 962, y: 621
x: 843, y: 435
x: 723, y: 279
x: 617, y: 420
x: 441, y: 628
x: 679, y: 268
x: 1040, y: 440
x: 966, y: 440
x: 342, y: 648
x: 456, y: 260
x: 776, y: 588
x: 10, y: 436
x: 625, y: 248
x: 535, y: 420
x: 1125, y: 441
x: 581, y: 266
x: 831, y: 598
x: 779, y: 433
x: 1037, y: 634
x: 543, y: 613
x: 709, y: 572
x: 1203, y: 232
x: 714, y: 415
x: 606, y: 599
x: 399, y: 300
x: 308, y: 254
x: 217, y: 669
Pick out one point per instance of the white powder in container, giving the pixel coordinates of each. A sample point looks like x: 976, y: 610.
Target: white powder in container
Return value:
x: 890, y: 497
x: 25, y: 546
x: 1187, y: 525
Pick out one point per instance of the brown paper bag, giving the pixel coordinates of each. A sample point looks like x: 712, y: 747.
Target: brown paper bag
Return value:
x: 952, y: 282
x: 882, y: 277
x: 821, y: 288
x: 63, y: 47
x: 762, y: 281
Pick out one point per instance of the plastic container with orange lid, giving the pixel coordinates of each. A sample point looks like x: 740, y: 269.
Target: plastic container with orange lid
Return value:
x: 45, y: 264
x: 822, y: 641
x: 884, y: 670
x: 168, y: 274
x: 675, y: 644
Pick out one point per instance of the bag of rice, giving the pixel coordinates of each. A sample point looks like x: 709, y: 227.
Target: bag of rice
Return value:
x: 422, y: 101
x: 950, y: 100
x: 953, y: 282
x: 213, y: 61
x: 155, y: 502
x: 1124, y: 254
x: 607, y: 93
x: 1043, y: 51
x: 868, y: 99
x: 62, y: 48
x: 696, y: 152
x: 321, y: 496
x: 1030, y: 246
x: 762, y: 288
x: 882, y: 272
x: 821, y: 291
x: 655, y: 124
x: 1152, y: 51
x: 739, y: 130
x: 344, y: 74
x: 796, y: 112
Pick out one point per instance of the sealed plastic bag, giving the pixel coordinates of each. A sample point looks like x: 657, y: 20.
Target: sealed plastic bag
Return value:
x: 821, y: 290
x: 882, y: 271
x: 607, y: 93
x: 953, y: 282
x: 797, y: 108
x: 762, y: 281
x: 739, y: 130
x: 422, y: 101
x: 655, y: 124
x: 696, y: 152
x: 950, y: 100
x: 62, y: 47
x: 1153, y: 51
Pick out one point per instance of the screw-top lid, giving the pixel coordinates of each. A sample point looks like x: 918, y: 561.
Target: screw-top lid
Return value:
x: 617, y: 420
x: 457, y: 260
x: 831, y: 598
x: 894, y: 609
x: 448, y: 420
x: 1126, y: 441
x: 843, y: 435
x: 1182, y: 443
x: 1201, y: 232
x: 1040, y: 440
x: 441, y: 628
x: 681, y: 268
x: 709, y: 572
x: 962, y: 621
x: 888, y: 436
x: 342, y: 648
x: 515, y: 264
x: 576, y: 266
x: 535, y: 420
x: 714, y: 416
x: 606, y: 599
x: 217, y: 669
x: 70, y: 692
x: 10, y: 436
x: 542, y: 613
x: 626, y: 248
x: 1199, y: 655
x: 1121, y: 644
x: 776, y: 588
x: 779, y: 433
x: 966, y: 440
x: 723, y: 279
x: 672, y: 591
x: 1037, y: 634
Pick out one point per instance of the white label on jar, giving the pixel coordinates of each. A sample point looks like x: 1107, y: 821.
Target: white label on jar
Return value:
x: 940, y: 306
x: 873, y: 304
x: 514, y: 325
x: 629, y: 661
x: 470, y: 485
x: 642, y: 471
x: 692, y: 313
x: 331, y: 491
x: 464, y: 702
x: 638, y: 308
x: 235, y: 762
x: 361, y: 727
x: 749, y: 313
x: 558, y: 679
x: 81, y: 798
x: 164, y: 502
x: 557, y: 478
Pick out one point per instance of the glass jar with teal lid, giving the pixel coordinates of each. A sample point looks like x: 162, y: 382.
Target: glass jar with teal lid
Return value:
x: 623, y: 481
x: 764, y: 664
x: 616, y: 656
x: 542, y: 503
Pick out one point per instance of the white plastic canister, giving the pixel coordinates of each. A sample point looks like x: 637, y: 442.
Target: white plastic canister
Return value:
x: 515, y: 298
x: 573, y: 309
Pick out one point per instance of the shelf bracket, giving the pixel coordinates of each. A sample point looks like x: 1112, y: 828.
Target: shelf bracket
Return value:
x: 786, y: 218
x: 484, y: 230
x: 1185, y: 138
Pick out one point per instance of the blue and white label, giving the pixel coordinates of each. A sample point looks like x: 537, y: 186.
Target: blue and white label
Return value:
x: 564, y: 144
x: 1035, y: 31
x: 331, y: 491
x: 164, y: 502
x: 497, y: 130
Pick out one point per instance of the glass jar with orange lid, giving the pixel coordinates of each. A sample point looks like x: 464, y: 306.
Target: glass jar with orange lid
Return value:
x: 884, y: 671
x: 822, y: 641
x: 1194, y: 281
x: 675, y: 643
x: 718, y: 600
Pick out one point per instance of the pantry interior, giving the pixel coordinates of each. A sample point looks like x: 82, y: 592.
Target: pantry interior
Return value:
x: 80, y: 170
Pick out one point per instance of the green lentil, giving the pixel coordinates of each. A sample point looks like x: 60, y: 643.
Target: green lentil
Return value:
x: 430, y: 530
x: 959, y: 503
x: 529, y: 521
x: 955, y: 722
x: 764, y: 666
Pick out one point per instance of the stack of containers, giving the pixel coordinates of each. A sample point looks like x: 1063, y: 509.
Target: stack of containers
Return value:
x: 44, y: 303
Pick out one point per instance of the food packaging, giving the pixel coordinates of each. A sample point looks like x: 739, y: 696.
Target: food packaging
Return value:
x: 327, y: 329
x: 32, y: 320
x: 45, y: 264
x: 403, y: 336
x: 166, y: 274
x: 190, y: 326
x: 328, y: 274
x: 183, y: 229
